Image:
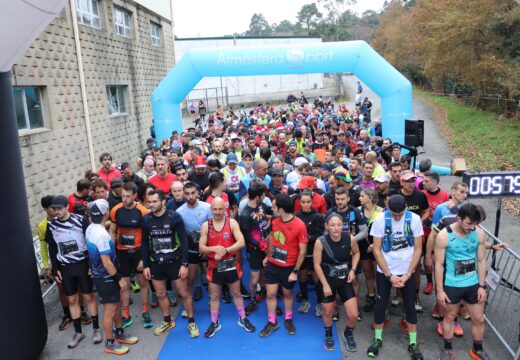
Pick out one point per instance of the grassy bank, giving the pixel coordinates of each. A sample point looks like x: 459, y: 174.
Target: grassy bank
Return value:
x: 485, y: 140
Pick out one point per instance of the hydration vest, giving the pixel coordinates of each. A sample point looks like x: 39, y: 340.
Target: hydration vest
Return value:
x: 388, y: 237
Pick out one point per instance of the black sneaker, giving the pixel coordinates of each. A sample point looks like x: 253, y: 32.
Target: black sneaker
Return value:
x: 85, y: 318
x: 246, y: 324
x: 289, y: 326
x: 373, y: 349
x: 243, y: 291
x: 251, y: 307
x: 269, y: 328
x: 198, y: 293
x: 278, y: 310
x: 65, y: 322
x: 329, y: 343
x: 212, y: 329
x: 350, y: 343
x: 413, y: 349
x: 226, y: 298
x: 369, y: 305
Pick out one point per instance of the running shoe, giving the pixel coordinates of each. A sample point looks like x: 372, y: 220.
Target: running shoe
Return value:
x: 304, y: 307
x: 244, y: 292
x: 413, y: 349
x: 251, y: 307
x: 319, y: 310
x: 269, y: 328
x: 226, y: 298
x: 97, y: 336
x: 127, y: 321
x: 126, y: 338
x: 147, y: 320
x: 76, y: 339
x: 458, y: 331
x: 278, y: 310
x: 299, y: 297
x: 113, y: 347
x: 153, y: 301
x: 198, y: 293
x: 212, y: 329
x: 373, y: 349
x: 329, y: 343
x: 418, y: 305
x: 435, y: 312
x: 403, y: 325
x: 463, y: 313
x: 85, y: 318
x: 446, y: 355
x: 428, y: 288
x: 370, y: 303
x: 65, y: 322
x: 164, y: 328
x: 246, y: 324
x: 172, y: 298
x: 479, y: 355
x: 193, y: 330
x: 184, y: 314
x: 134, y: 286
x: 440, y: 330
x: 350, y: 343
x: 396, y: 300
x: 289, y: 326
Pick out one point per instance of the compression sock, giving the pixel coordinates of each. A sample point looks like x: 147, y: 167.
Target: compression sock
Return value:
x: 95, y: 321
x: 477, y: 345
x: 429, y: 278
x: 77, y: 325
x: 272, y: 318
x: 413, y: 337
x: 191, y: 320
x: 145, y: 308
x: 379, y: 334
x: 288, y: 315
x: 126, y: 311
x: 214, y: 317
x: 447, y: 344
x: 349, y: 330
x: 66, y: 311
x: 167, y: 318
x: 328, y: 331
x: 241, y: 312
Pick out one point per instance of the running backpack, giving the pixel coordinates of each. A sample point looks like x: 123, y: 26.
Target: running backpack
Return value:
x: 388, y: 237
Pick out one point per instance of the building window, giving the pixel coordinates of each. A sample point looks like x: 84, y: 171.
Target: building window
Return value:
x: 122, y: 20
x: 117, y: 100
x: 87, y: 12
x: 29, y: 108
x: 155, y: 30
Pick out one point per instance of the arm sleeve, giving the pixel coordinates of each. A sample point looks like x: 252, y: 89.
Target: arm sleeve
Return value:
x: 318, y: 227
x: 53, y: 250
x: 181, y: 233
x: 362, y: 234
x: 145, y: 251
x: 44, y: 250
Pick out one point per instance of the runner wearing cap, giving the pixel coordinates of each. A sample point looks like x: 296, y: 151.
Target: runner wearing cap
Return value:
x: 343, y: 177
x: 277, y: 186
x: 199, y: 176
x: 233, y: 174
x: 382, y: 184
x: 397, y: 235
x: 308, y: 183
x: 105, y: 273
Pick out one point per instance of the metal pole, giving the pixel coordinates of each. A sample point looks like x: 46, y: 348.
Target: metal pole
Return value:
x: 497, y: 220
x: 22, y: 299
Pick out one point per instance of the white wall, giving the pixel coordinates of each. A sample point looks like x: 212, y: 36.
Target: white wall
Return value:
x: 249, y: 85
x: 160, y: 7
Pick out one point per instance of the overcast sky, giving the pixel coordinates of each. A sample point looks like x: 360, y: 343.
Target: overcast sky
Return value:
x: 205, y: 18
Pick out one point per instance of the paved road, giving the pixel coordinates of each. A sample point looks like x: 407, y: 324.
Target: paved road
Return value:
x: 394, y: 342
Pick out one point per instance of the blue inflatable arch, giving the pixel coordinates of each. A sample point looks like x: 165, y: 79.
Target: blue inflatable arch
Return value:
x: 357, y: 57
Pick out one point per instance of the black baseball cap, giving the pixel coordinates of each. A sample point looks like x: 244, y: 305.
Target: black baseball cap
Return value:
x: 397, y: 203
x: 59, y: 201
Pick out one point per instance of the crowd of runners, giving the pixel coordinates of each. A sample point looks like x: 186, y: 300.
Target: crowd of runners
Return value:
x: 300, y: 194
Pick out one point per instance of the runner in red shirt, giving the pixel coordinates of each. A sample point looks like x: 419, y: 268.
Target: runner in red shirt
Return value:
x: 221, y: 239
x: 164, y: 179
x: 286, y: 252
x: 107, y: 172
x: 318, y: 201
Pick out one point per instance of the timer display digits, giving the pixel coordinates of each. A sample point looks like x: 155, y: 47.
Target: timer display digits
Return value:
x: 492, y: 184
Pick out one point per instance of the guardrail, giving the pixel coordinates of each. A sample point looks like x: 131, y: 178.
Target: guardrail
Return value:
x: 502, y: 312
x: 46, y: 285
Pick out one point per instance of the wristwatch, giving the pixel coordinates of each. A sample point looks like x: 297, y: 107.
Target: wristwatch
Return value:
x: 482, y: 286
x: 389, y: 276
x: 185, y: 264
x: 295, y: 271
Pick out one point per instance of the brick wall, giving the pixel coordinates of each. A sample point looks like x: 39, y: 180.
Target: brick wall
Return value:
x: 56, y: 157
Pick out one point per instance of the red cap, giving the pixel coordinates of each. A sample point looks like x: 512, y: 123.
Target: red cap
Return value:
x: 200, y: 162
x: 306, y: 182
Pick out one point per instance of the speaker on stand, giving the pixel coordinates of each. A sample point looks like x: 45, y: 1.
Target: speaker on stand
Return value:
x: 414, y: 136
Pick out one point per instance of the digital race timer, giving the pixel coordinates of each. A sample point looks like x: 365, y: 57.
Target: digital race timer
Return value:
x: 492, y: 184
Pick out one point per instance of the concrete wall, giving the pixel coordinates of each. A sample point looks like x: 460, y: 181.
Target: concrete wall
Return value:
x: 56, y: 157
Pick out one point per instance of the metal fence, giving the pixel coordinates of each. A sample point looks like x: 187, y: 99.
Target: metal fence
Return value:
x: 503, y: 303
x: 46, y: 285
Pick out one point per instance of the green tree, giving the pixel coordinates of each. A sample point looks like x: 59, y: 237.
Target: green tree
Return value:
x: 308, y: 17
x: 285, y: 27
x: 258, y: 26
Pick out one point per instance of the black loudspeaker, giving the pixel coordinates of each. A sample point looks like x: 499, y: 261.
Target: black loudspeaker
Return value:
x: 414, y: 133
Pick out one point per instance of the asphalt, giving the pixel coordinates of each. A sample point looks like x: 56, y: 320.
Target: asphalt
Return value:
x: 395, y: 343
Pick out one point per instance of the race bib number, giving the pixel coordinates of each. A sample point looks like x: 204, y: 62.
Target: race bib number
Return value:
x: 226, y: 265
x: 162, y: 245
x: 127, y: 240
x: 340, y: 271
x: 464, y: 267
x: 278, y: 254
x: 68, y: 247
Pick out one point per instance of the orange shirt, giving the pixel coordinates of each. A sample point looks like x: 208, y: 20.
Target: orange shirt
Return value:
x: 129, y: 233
